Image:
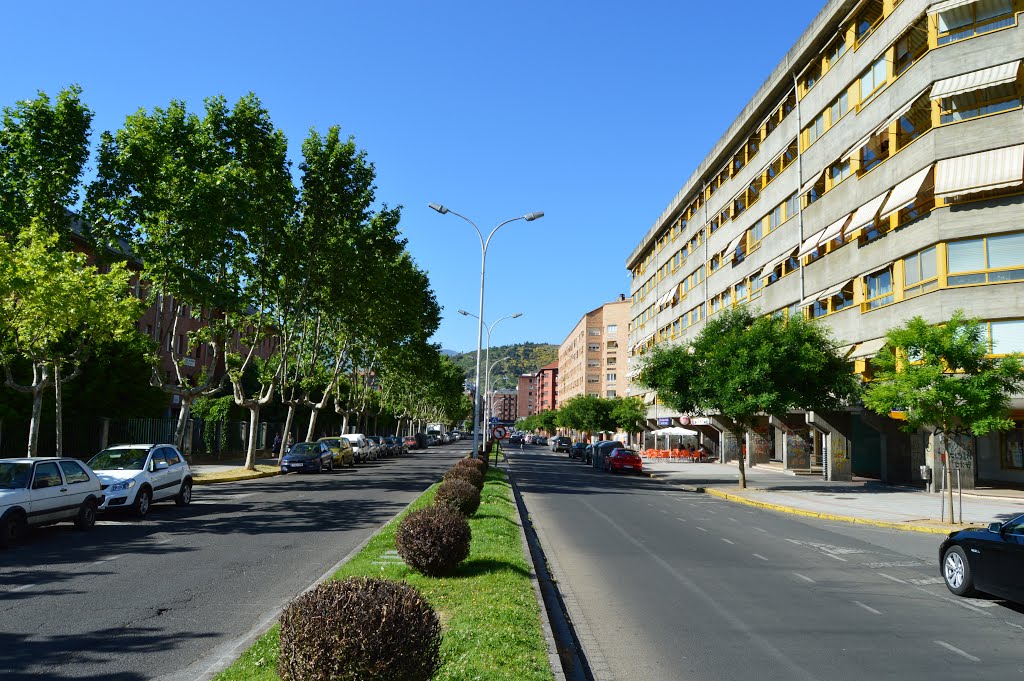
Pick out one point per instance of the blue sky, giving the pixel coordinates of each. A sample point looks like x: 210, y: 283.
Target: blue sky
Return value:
x: 594, y: 113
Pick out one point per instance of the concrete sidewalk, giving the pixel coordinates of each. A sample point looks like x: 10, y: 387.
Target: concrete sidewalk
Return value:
x: 863, y: 501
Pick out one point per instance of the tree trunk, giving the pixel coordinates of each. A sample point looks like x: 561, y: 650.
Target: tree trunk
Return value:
x: 288, y: 420
x: 741, y: 458
x: 313, y: 414
x: 344, y: 424
x: 58, y: 409
x: 254, y: 422
x: 183, y: 414
x: 41, y: 374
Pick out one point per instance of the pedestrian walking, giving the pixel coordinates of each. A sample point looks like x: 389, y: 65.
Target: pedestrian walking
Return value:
x: 277, y: 442
x: 291, y: 441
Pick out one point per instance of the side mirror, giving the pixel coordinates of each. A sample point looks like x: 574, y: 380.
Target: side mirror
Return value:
x: 995, y: 527
x: 161, y: 465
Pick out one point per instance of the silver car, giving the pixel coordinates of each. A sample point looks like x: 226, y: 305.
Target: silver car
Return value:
x: 42, y: 491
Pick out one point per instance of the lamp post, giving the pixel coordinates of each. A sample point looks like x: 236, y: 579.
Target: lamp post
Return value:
x: 487, y: 358
x: 484, y: 243
x: 490, y: 395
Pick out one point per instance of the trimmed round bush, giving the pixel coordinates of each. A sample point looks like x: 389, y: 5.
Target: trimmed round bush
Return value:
x: 477, y: 464
x: 470, y: 475
x: 433, y: 540
x: 359, y: 628
x: 460, y: 495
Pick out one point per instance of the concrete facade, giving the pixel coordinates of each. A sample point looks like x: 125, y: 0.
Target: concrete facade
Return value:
x: 547, y: 387
x: 504, y: 405
x: 773, y: 209
x: 593, y: 358
x: 526, y: 399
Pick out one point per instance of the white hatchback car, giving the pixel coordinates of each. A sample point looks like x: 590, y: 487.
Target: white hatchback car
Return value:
x: 41, y: 491
x: 362, y: 449
x: 135, y: 476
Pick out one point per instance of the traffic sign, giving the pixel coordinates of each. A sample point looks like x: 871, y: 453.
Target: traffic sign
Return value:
x: 499, y: 432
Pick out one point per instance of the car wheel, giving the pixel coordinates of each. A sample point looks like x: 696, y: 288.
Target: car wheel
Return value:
x: 956, y: 572
x: 10, y: 528
x: 184, y: 497
x: 86, y: 515
x: 143, y: 500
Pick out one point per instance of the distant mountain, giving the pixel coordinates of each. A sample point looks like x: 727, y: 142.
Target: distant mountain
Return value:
x: 525, y: 358
x: 450, y: 353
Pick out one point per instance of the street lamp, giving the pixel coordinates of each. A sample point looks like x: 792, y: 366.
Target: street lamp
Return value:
x: 489, y: 396
x: 484, y: 243
x: 487, y: 358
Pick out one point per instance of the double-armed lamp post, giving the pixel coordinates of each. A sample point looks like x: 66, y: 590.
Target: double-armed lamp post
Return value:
x: 484, y: 243
x: 487, y: 359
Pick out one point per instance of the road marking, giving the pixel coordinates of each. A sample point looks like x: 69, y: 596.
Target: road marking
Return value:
x: 956, y: 650
x: 758, y: 555
x: 794, y: 541
x: 868, y: 608
x: 728, y: 541
x: 682, y: 520
x: 23, y: 587
x: 896, y: 563
x: 831, y: 555
x: 804, y: 577
x: 921, y: 581
x: 734, y: 520
x: 702, y: 529
x: 760, y: 530
x: 895, y: 579
x: 1015, y: 625
x: 710, y: 511
x: 960, y: 603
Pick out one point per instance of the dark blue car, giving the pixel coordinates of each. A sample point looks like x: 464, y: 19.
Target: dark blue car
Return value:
x: 989, y: 560
x: 314, y: 457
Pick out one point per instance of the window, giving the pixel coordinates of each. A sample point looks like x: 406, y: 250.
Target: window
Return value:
x: 878, y: 289
x: 612, y: 328
x: 774, y: 218
x: 47, y: 475
x: 609, y: 377
x: 991, y: 260
x: 911, y: 46
x: 872, y: 80
x: 919, y: 273
x: 816, y: 129
x: 874, y: 152
x: 610, y: 393
x: 594, y: 331
x: 914, y: 123
x: 611, y: 361
x: 839, y: 171
x: 811, y: 76
x: 868, y: 18
x: 1006, y: 337
x: 836, y: 49
x: 988, y: 100
x: 839, y: 107
x: 593, y: 347
x: 73, y: 472
x: 970, y: 20
x: 1012, y: 447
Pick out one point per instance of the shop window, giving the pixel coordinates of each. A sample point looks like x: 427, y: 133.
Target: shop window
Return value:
x: 979, y: 103
x: 920, y: 273
x: 967, y: 21
x: 1011, y: 450
x: 878, y: 289
x: 991, y: 260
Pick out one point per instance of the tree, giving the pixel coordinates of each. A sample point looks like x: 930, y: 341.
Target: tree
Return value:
x: 587, y: 414
x: 628, y: 413
x: 741, y: 365
x: 942, y: 378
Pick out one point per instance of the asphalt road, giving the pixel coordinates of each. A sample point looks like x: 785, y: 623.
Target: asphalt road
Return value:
x: 167, y: 597
x: 663, y: 584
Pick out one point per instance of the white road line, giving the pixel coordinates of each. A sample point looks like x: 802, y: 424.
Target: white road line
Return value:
x: 956, y: 650
x: 734, y: 520
x: 760, y: 530
x: 804, y: 577
x: 702, y: 529
x: 710, y: 511
x: 867, y: 607
x: 956, y: 602
x: 758, y: 555
x: 728, y: 541
x: 1015, y: 625
x: 682, y: 520
x: 830, y: 555
x: 794, y: 541
x: 895, y: 579
x: 23, y: 587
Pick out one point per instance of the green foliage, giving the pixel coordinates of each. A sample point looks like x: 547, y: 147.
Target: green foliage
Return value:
x: 214, y: 411
x: 741, y: 365
x: 359, y: 629
x: 459, y: 494
x: 942, y: 376
x: 586, y: 413
x: 433, y: 540
x: 524, y: 358
x: 628, y: 413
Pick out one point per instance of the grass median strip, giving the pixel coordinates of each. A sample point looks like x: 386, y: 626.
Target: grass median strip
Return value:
x: 491, y: 620
x: 235, y: 474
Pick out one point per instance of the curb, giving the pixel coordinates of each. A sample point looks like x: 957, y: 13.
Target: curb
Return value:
x: 738, y: 499
x: 235, y: 478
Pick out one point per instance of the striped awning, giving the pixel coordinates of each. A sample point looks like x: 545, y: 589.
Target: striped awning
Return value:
x: 980, y: 172
x: 868, y: 348
x: 811, y: 182
x: 902, y: 110
x: 976, y: 80
x: 905, y: 192
x: 865, y: 215
x: 824, y: 295
x: 730, y: 250
x: 809, y: 245
x: 833, y: 230
x: 948, y: 5
x: 668, y: 297
x: 772, y: 264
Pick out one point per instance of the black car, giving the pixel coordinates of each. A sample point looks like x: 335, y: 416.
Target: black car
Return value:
x: 577, y: 450
x: 603, y: 449
x: 561, y: 444
x: 988, y: 560
x: 515, y: 440
x: 396, y: 446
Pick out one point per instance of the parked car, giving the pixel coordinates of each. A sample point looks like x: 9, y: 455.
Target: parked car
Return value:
x: 377, y: 445
x: 576, y: 451
x: 42, y: 491
x: 988, y: 560
x: 432, y: 440
x: 597, y: 451
x: 618, y: 460
x: 409, y: 441
x: 516, y: 439
x: 135, y: 476
x: 540, y: 440
x: 341, y: 449
x: 315, y: 457
x: 560, y: 444
x: 400, y: 445
x: 361, y: 448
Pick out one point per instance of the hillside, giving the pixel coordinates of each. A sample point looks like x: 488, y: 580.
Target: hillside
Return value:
x: 525, y: 358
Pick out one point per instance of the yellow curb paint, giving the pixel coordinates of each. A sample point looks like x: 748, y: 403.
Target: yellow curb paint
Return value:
x: 234, y: 478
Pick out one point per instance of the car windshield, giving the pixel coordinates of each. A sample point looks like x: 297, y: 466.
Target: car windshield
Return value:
x: 14, y: 475
x: 305, y: 449
x: 625, y: 452
x: 332, y: 443
x: 119, y: 460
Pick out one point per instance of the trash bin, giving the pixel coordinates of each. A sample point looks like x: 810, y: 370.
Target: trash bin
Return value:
x: 926, y: 473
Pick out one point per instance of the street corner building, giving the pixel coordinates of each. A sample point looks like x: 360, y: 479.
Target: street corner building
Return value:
x: 878, y: 174
x: 592, y: 358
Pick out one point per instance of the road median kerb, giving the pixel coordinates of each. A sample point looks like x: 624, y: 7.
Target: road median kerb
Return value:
x: 740, y: 499
x: 235, y: 478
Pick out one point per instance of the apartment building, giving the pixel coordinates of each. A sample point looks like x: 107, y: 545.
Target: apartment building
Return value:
x: 504, y: 405
x: 526, y: 399
x: 547, y: 387
x: 876, y: 175
x: 592, y: 360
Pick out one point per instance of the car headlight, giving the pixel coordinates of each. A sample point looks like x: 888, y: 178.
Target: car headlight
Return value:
x: 122, y: 486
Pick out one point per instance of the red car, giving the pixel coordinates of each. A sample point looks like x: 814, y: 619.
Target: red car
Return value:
x: 623, y: 460
x: 409, y: 442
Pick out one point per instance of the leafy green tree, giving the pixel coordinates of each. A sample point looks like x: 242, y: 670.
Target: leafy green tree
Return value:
x: 586, y: 414
x: 943, y: 378
x: 628, y: 413
x: 741, y: 365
